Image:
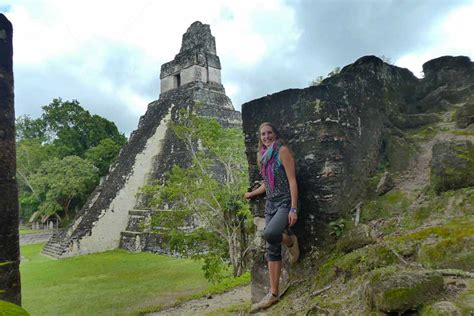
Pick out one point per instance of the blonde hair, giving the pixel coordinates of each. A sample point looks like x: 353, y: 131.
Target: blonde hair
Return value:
x: 260, y: 144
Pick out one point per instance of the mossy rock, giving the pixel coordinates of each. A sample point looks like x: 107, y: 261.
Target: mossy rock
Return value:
x: 358, y: 237
x: 398, y: 152
x: 396, y: 289
x: 443, y: 308
x: 385, y: 206
x: 355, y: 263
x: 456, y: 228
x: 465, y: 115
x: 449, y: 253
x: 452, y: 165
x: 385, y: 184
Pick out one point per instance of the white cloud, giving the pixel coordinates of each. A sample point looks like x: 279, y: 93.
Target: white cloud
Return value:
x: 111, y: 50
x: 453, y: 35
x: 113, y: 46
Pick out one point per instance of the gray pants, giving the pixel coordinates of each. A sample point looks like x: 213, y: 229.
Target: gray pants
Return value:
x: 276, y: 221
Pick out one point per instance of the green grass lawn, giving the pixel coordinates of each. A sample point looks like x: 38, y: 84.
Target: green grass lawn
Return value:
x: 27, y: 231
x: 109, y: 283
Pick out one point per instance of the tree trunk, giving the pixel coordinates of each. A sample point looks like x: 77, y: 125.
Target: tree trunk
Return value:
x: 10, y: 289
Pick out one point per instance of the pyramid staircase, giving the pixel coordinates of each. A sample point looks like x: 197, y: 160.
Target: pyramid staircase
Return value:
x: 53, y: 247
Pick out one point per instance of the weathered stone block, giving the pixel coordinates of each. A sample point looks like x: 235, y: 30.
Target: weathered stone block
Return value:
x: 452, y: 165
x: 398, y: 152
x: 395, y: 289
x: 336, y: 134
x: 465, y: 115
x: 358, y: 237
x: 10, y: 288
x: 196, y: 62
x: 385, y: 184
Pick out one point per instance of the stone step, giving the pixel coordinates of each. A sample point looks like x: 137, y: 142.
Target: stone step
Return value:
x: 55, y: 254
x: 137, y: 222
x: 53, y: 246
x: 141, y: 212
x: 52, y: 250
x: 54, y: 238
x: 169, y: 210
x: 157, y: 229
x: 131, y: 233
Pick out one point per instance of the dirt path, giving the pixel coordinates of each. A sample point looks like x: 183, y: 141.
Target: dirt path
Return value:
x: 417, y: 176
x: 237, y: 296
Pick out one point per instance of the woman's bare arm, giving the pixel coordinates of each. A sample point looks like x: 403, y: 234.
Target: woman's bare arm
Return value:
x: 289, y: 164
x: 254, y: 193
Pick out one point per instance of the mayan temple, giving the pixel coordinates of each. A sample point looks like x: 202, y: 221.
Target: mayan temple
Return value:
x: 114, y: 214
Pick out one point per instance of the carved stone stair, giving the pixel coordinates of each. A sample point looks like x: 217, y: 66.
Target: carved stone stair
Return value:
x: 53, y: 247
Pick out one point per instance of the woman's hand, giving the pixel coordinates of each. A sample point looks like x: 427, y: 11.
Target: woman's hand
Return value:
x: 254, y: 193
x: 292, y: 218
x: 248, y: 195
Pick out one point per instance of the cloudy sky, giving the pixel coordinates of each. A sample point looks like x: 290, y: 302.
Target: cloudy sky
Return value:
x: 107, y: 54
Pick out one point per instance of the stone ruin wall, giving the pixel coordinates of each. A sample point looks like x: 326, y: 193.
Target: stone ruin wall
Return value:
x: 10, y: 286
x: 196, y: 61
x: 338, y: 131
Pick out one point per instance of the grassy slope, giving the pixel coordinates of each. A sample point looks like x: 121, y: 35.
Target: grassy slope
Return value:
x: 114, y: 282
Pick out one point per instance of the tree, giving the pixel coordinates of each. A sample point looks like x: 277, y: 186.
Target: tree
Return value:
x: 31, y: 153
x: 29, y: 128
x: 69, y: 127
x: 103, y: 155
x: 320, y: 79
x: 64, y: 129
x: 74, y: 130
x: 208, y: 194
x: 63, y: 183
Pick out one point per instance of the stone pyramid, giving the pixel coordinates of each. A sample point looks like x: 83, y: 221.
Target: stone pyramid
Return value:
x: 114, y: 213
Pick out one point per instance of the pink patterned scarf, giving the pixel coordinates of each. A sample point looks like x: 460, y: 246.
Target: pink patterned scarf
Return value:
x: 270, y: 157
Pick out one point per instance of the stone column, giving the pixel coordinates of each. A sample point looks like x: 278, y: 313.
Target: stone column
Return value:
x: 10, y: 289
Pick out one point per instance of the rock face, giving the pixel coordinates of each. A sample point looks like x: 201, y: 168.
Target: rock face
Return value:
x: 448, y: 80
x: 399, y: 291
x: 115, y: 212
x: 341, y: 129
x: 452, y: 165
x: 465, y: 115
x: 9, y: 241
x: 385, y: 184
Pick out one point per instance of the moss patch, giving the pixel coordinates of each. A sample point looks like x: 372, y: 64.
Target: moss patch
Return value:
x: 423, y: 134
x: 455, y: 253
x: 385, y: 206
x: 355, y: 263
x: 452, y: 166
x: 463, y: 132
x: 398, y: 290
x: 465, y: 301
x: 459, y: 227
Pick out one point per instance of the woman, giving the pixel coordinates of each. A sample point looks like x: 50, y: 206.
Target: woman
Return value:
x: 277, y: 167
